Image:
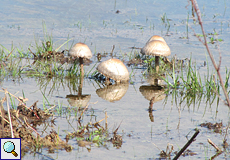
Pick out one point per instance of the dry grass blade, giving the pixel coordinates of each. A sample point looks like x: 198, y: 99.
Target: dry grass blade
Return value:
x: 8, y: 108
x: 9, y: 54
x: 106, y: 122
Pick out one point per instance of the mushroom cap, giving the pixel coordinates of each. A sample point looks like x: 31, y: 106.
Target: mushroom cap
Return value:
x: 156, y: 37
x: 114, y: 92
x: 156, y: 48
x: 114, y: 69
x: 80, y: 50
x: 155, y: 93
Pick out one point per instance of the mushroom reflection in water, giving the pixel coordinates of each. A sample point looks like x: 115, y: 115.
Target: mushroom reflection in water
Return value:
x: 153, y: 94
x: 81, y: 51
x: 114, y: 92
x: 114, y: 69
x: 155, y: 79
x: 156, y: 46
x: 78, y: 101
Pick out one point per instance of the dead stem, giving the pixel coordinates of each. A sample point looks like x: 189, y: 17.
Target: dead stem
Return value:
x: 225, y: 139
x: 84, y: 111
x: 10, y: 54
x: 217, y: 68
x: 214, y: 145
x: 115, y: 132
x: 157, y: 147
x: 25, y: 118
x: 106, y: 122
x: 8, y: 107
x: 112, y: 50
x: 35, y: 56
x: 102, y: 119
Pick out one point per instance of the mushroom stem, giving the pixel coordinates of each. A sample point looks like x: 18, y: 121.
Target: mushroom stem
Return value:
x: 81, y: 64
x: 107, y: 81
x: 80, y: 85
x: 157, y: 63
x: 82, y: 77
x: 156, y: 81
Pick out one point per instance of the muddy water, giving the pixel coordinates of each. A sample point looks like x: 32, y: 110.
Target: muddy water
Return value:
x: 97, y: 24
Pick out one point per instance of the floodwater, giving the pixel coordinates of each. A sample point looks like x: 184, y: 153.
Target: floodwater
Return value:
x: 97, y: 24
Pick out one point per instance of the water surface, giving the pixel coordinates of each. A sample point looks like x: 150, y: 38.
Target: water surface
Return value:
x: 97, y: 24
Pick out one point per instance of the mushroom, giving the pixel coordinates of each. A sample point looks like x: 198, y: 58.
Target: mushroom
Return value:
x: 156, y: 37
x: 81, y: 51
x: 156, y: 46
x: 114, y: 69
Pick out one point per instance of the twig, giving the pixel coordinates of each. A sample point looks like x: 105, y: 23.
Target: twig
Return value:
x: 217, y: 68
x: 186, y: 145
x: 214, y: 145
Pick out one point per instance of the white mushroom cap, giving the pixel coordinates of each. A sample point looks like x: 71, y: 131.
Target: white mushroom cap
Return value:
x: 80, y: 50
x: 156, y: 48
x: 156, y: 37
x: 114, y: 69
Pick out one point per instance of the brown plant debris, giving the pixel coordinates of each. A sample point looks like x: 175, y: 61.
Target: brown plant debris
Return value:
x: 116, y: 140
x: 167, y: 153
x: 187, y: 152
x: 135, y: 61
x: 216, y: 127
x: 23, y: 120
x: 52, y: 141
